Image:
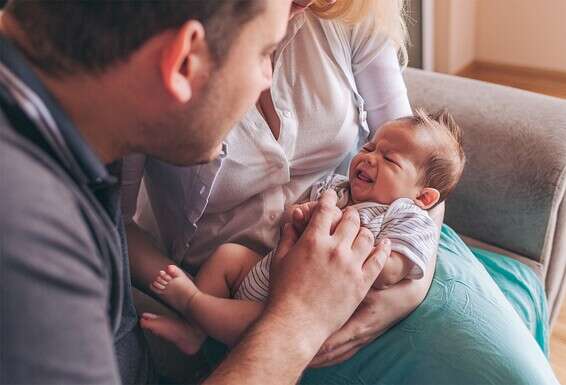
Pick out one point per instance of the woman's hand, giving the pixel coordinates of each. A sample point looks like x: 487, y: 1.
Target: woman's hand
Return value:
x: 379, y: 311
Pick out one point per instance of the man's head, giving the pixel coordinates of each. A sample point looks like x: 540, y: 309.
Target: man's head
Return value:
x: 418, y: 157
x: 187, y: 70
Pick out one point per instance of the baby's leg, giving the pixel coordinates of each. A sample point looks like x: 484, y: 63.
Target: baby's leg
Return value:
x: 187, y: 337
x: 220, y: 277
x: 223, y: 319
x: 223, y: 272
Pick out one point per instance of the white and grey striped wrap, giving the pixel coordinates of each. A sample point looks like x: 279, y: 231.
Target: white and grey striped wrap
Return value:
x: 411, y: 230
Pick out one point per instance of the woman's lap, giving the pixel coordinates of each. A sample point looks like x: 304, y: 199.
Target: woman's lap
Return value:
x: 465, y: 332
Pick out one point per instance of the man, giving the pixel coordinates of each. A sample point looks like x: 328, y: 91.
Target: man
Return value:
x: 81, y: 85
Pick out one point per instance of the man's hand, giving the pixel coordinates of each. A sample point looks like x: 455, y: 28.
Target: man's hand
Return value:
x: 380, y: 310
x: 319, y: 281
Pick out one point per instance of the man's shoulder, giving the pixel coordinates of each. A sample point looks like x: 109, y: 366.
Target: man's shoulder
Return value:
x: 28, y: 176
x: 40, y: 206
x: 51, y: 264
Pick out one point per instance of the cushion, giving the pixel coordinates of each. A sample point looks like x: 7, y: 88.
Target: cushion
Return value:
x: 466, y: 331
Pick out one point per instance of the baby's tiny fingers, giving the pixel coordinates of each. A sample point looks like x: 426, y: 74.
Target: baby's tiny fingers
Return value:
x: 158, y: 286
x: 162, y: 281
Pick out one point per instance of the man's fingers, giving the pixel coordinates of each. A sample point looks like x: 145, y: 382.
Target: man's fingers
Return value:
x: 376, y: 260
x: 348, y: 333
x: 324, y: 212
x: 363, y: 244
x: 333, y: 359
x: 288, y: 239
x: 349, y: 226
x: 344, y: 357
x: 338, y: 355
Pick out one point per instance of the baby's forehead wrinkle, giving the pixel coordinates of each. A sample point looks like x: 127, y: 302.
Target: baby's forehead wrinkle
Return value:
x: 411, y: 143
x: 400, y: 145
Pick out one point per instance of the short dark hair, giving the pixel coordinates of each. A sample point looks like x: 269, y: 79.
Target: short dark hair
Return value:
x: 444, y: 166
x: 70, y: 36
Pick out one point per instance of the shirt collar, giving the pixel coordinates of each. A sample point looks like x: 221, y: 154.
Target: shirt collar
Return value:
x: 21, y: 80
x: 295, y: 24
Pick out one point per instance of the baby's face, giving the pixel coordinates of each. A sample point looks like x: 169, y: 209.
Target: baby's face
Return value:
x: 388, y: 167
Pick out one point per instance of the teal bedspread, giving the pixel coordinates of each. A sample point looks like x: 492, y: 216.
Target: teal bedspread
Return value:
x: 484, y: 321
x: 523, y: 290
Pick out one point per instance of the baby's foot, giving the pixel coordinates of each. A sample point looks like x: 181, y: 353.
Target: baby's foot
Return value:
x: 175, y: 288
x: 186, y: 337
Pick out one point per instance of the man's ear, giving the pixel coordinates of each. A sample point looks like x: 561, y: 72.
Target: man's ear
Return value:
x: 427, y: 198
x: 185, y: 57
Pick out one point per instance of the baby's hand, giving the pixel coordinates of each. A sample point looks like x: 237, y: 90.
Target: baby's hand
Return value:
x: 396, y: 269
x: 298, y: 215
x: 301, y: 215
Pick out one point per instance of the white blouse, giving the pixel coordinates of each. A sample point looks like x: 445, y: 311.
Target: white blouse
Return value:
x: 321, y: 69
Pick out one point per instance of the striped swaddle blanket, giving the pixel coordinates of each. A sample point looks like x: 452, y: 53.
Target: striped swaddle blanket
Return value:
x: 411, y: 230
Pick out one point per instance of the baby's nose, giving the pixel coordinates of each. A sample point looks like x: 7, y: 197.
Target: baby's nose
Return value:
x: 370, y: 160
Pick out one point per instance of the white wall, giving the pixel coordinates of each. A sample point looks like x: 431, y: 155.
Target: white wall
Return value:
x: 529, y: 33
x: 455, y: 34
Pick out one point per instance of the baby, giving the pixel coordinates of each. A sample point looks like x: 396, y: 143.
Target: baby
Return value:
x: 409, y: 166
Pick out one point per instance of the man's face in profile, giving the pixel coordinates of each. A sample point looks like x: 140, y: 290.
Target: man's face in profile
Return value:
x: 194, y: 133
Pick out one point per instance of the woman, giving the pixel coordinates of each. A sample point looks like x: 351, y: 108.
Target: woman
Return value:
x: 336, y: 78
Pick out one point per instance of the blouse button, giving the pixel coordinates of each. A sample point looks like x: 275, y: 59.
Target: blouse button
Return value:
x: 287, y: 114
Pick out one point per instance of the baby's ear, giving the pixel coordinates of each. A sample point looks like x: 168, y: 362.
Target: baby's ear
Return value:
x: 427, y: 198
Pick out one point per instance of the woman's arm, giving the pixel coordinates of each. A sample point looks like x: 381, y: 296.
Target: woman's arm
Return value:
x: 146, y: 260
x: 382, y: 86
x: 130, y: 182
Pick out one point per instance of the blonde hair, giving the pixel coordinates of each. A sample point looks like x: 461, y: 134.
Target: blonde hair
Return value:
x: 386, y: 16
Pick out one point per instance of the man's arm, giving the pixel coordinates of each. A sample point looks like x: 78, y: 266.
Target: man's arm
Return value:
x: 54, y: 305
x: 308, y: 278
x: 271, y: 352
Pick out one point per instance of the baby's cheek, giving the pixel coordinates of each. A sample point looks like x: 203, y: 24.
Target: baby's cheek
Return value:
x: 384, y: 191
x: 354, y: 162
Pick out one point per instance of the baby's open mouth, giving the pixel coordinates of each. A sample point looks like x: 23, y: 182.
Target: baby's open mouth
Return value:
x: 363, y: 176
